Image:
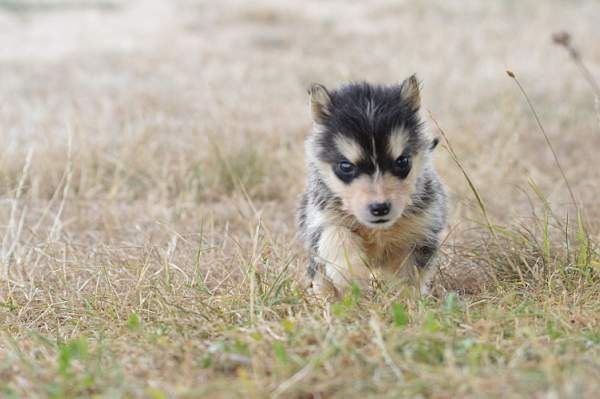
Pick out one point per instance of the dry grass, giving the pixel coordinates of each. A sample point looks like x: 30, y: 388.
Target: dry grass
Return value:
x: 150, y: 166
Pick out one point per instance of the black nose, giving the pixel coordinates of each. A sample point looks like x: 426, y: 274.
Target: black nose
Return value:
x: 379, y: 208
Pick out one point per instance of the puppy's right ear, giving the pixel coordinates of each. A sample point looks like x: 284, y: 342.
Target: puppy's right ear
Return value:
x: 320, y: 101
x: 411, y: 92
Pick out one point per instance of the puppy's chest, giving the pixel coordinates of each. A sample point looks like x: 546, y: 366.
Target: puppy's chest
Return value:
x: 391, y: 248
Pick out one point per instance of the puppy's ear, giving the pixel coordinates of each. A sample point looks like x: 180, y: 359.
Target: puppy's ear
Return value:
x: 320, y: 101
x: 411, y: 93
x: 434, y: 143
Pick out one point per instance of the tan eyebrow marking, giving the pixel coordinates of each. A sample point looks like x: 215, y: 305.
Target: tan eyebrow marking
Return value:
x: 349, y: 148
x: 397, y: 142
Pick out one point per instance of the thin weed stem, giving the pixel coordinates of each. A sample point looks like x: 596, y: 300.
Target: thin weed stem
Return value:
x: 563, y: 39
x: 550, y: 146
x: 480, y: 201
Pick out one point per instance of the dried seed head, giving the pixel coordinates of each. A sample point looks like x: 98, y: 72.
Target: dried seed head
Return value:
x: 562, y: 38
x: 510, y: 73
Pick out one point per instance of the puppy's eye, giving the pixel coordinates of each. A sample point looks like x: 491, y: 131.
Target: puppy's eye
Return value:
x: 346, y: 168
x: 402, y: 166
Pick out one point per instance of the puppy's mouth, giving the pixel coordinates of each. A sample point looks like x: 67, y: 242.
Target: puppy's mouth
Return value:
x: 379, y: 221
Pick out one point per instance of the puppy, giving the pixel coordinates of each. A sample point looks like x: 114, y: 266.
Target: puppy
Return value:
x: 374, y: 207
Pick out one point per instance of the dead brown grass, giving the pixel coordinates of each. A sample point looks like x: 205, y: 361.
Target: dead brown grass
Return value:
x: 152, y: 157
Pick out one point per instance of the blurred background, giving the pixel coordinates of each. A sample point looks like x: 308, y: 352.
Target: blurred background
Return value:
x: 180, y: 110
x: 151, y: 157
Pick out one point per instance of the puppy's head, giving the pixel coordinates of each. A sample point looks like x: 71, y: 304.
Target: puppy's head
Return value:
x: 369, y: 148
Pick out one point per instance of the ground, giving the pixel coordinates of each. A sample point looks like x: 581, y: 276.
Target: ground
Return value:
x: 152, y: 158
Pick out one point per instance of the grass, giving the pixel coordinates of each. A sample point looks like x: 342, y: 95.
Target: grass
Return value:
x: 541, y: 336
x: 147, y: 241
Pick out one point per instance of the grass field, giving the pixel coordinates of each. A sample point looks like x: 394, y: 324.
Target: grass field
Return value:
x: 150, y: 164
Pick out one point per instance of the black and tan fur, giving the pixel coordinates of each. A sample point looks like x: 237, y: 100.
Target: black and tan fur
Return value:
x: 374, y: 204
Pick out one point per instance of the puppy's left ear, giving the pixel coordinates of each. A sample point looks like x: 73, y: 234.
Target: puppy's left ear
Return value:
x: 434, y: 143
x: 411, y: 92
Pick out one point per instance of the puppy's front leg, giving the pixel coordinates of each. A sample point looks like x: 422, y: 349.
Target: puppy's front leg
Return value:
x: 343, y: 258
x: 424, y: 259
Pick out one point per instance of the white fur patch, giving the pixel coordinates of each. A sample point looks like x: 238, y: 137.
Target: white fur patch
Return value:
x: 343, y: 256
x: 315, y: 218
x: 370, y: 111
x: 349, y: 148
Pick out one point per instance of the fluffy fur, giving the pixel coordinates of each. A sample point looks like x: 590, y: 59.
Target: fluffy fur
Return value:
x: 373, y: 204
